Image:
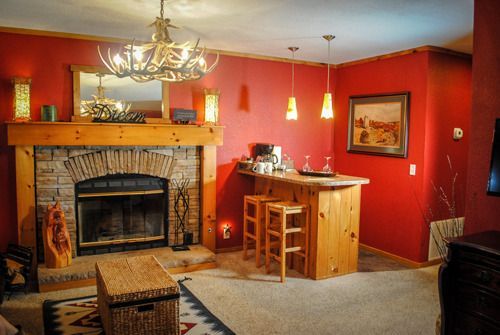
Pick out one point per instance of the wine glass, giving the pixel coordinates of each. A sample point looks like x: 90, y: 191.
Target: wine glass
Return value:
x: 327, y: 168
x: 307, y: 167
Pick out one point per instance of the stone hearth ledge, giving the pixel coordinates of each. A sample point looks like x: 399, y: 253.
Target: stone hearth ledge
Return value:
x: 83, y: 268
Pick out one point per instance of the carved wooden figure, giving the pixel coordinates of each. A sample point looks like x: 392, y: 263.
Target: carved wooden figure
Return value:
x: 56, y: 241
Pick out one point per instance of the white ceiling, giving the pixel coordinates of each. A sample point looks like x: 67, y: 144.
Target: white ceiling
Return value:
x: 363, y: 28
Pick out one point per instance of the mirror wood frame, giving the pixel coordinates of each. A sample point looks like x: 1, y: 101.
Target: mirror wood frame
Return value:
x: 77, y: 69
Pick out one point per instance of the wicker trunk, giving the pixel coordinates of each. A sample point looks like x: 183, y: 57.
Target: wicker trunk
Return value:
x: 136, y: 295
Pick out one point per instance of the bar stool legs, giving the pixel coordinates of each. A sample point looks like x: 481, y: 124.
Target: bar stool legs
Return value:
x: 277, y: 215
x: 254, y: 207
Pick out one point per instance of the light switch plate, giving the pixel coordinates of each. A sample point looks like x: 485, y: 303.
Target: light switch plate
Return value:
x: 413, y: 169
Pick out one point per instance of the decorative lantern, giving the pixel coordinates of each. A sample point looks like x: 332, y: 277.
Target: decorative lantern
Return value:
x: 22, y: 87
x: 212, y: 106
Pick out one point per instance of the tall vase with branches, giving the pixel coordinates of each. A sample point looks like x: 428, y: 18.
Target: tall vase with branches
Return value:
x: 454, y: 225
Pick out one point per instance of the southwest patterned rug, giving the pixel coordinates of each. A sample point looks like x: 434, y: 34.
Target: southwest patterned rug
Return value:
x: 80, y: 316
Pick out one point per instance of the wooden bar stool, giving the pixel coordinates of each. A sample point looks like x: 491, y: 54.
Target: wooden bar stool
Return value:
x: 254, y: 215
x: 287, y: 223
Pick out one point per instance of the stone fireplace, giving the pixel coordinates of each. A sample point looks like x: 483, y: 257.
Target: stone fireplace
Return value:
x: 55, y: 143
x: 118, y: 198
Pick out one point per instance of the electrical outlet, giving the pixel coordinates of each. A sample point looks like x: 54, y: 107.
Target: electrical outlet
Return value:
x: 413, y: 169
x: 227, y: 232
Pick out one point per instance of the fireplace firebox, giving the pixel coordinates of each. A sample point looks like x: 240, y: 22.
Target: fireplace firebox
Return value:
x: 121, y: 213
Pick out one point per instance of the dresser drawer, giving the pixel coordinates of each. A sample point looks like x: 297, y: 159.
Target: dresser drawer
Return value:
x: 478, y: 302
x: 478, y: 258
x: 466, y: 324
x: 478, y: 275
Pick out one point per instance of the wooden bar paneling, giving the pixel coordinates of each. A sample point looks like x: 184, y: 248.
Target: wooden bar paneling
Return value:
x: 76, y: 133
x: 354, y: 228
x: 25, y: 193
x: 334, y: 218
x: 319, y: 247
x: 208, y: 195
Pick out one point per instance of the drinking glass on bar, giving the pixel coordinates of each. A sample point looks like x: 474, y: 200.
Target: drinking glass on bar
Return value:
x: 327, y: 168
x: 307, y: 167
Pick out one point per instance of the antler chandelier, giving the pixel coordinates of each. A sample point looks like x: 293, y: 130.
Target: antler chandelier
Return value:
x: 161, y: 59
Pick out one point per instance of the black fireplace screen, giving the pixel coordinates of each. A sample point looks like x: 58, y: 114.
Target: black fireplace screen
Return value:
x: 120, y: 213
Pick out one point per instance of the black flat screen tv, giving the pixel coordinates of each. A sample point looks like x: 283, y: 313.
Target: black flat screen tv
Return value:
x: 494, y: 179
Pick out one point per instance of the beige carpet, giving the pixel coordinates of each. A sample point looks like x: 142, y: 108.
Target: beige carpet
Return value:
x: 251, y: 302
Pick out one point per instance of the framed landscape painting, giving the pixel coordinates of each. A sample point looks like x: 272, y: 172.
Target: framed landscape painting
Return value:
x: 378, y: 124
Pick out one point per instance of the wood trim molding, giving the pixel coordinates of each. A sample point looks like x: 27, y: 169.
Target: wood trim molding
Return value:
x: 25, y: 193
x: 66, y: 285
x: 92, y: 281
x: 405, y: 261
x: 239, y: 54
x: 208, y: 157
x: 122, y: 40
x: 426, y: 48
x: 48, y: 33
x: 230, y: 249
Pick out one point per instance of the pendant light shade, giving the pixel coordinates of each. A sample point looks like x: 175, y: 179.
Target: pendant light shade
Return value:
x: 291, y: 112
x: 327, y: 111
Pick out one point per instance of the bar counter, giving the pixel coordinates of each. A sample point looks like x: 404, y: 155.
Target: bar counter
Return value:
x: 334, y: 207
x: 293, y: 177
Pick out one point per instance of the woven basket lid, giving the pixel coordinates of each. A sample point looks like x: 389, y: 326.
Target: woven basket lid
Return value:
x: 134, y: 278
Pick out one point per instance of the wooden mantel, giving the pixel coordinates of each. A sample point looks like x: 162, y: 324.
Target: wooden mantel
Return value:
x: 24, y: 136
x: 119, y: 134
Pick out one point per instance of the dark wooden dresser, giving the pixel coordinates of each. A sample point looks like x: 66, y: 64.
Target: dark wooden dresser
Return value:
x: 469, y: 285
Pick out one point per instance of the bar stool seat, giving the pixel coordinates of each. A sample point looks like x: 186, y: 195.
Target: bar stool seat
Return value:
x: 254, y: 215
x: 287, y: 223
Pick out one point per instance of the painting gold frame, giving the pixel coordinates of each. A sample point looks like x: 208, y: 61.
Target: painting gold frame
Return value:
x: 378, y: 124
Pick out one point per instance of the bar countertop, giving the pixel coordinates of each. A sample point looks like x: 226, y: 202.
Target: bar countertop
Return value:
x: 292, y: 176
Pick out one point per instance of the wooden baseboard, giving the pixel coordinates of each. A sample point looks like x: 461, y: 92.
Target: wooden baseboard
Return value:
x: 405, y: 261
x: 230, y: 249
x: 66, y: 285
x: 193, y: 267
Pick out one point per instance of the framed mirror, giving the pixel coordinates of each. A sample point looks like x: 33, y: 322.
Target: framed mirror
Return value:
x: 151, y: 98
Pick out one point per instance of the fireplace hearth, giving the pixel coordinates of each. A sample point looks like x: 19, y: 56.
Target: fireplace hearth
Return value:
x: 121, y: 213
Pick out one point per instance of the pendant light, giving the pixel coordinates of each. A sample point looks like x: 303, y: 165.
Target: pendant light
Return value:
x: 327, y: 111
x: 291, y: 112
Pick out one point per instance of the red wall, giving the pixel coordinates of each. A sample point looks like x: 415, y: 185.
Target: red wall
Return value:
x: 482, y: 211
x: 253, y: 103
x: 252, y: 107
x: 448, y: 107
x: 439, y: 86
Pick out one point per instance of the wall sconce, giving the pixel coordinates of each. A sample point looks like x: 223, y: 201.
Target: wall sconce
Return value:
x: 22, y: 108
x: 212, y: 105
